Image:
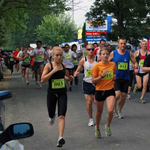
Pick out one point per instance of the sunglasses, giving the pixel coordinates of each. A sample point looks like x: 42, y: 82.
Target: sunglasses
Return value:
x: 90, y: 49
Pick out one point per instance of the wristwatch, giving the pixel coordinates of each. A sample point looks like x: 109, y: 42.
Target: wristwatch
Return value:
x: 102, y: 76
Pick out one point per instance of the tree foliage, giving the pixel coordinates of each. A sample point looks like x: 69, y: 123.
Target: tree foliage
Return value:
x: 131, y: 18
x: 56, y: 29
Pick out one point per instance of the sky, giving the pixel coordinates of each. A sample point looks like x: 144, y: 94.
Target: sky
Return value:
x: 80, y: 10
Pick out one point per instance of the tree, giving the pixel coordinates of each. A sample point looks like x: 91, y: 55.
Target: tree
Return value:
x: 14, y: 14
x: 132, y: 18
x: 56, y: 29
x: 83, y: 33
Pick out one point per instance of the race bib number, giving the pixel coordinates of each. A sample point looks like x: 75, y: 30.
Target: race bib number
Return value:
x: 122, y: 66
x: 27, y: 60
x: 74, y: 61
x: 11, y: 59
x: 88, y: 72
x: 85, y: 53
x: 109, y: 75
x: 39, y: 57
x: 58, y: 83
x: 67, y: 56
x: 141, y: 62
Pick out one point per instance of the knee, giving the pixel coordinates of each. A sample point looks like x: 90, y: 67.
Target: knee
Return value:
x: 139, y: 86
x: 61, y: 117
x: 89, y: 103
x: 145, y: 85
x: 110, y: 111
x: 123, y: 97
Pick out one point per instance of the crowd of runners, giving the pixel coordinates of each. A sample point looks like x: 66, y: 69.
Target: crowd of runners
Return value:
x: 107, y: 75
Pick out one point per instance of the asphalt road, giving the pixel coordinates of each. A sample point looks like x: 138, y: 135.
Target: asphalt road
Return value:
x: 28, y: 104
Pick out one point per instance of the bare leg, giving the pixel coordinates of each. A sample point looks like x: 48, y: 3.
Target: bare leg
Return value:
x: 89, y: 105
x: 122, y: 101
x: 110, y: 107
x: 61, y: 125
x: 99, y: 111
x: 145, y: 81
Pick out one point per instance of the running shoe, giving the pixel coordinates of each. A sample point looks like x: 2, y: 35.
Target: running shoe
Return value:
x: 128, y: 96
x: 97, y: 133
x: 142, y: 100
x: 70, y: 88
x: 107, y: 131
x: 91, y: 122
x: 135, y: 89
x: 116, y: 111
x: 40, y: 85
x: 119, y: 115
x: 52, y: 121
x: 60, y: 142
x: 27, y: 83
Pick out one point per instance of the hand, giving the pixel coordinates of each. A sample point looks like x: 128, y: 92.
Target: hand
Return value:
x: 105, y: 72
x: 114, y: 76
x: 76, y: 74
x: 71, y: 77
x: 56, y: 69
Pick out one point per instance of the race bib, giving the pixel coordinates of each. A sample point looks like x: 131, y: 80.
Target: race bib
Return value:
x: 122, y: 66
x: 85, y: 53
x: 109, y: 75
x: 141, y: 62
x: 11, y: 59
x: 39, y: 57
x: 74, y: 61
x: 58, y: 83
x: 88, y: 72
x: 68, y: 56
x: 26, y: 60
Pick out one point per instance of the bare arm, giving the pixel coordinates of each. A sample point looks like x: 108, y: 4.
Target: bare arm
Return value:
x: 47, y: 73
x: 111, y: 56
x: 133, y: 61
x: 81, y: 63
x: 95, y: 79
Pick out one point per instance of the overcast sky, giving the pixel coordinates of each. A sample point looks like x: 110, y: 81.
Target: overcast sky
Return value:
x: 80, y: 10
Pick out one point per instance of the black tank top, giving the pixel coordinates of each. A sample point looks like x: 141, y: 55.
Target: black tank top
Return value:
x: 57, y: 81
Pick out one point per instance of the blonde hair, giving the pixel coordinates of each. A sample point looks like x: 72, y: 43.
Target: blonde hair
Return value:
x: 104, y: 49
x: 57, y: 48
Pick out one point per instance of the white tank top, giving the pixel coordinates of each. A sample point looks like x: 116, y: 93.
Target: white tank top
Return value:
x: 130, y: 66
x: 87, y: 69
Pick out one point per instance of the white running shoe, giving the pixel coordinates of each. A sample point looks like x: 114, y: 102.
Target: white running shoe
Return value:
x: 40, y: 85
x: 60, y: 142
x: 27, y: 82
x: 116, y: 111
x: 128, y: 96
x: 119, y: 115
x: 52, y: 120
x: 91, y: 122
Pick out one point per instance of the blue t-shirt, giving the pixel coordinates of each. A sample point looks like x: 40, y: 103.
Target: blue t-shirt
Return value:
x: 122, y: 63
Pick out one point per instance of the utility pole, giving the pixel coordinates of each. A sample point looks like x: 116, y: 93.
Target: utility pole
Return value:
x: 73, y: 10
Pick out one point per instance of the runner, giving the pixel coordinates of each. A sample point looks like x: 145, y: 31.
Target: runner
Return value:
x: 11, y: 62
x: 83, y: 50
x: 121, y: 57
x: 131, y: 74
x: 20, y: 61
x: 68, y: 57
x: 140, y: 56
x: 103, y: 75
x: 95, y: 45
x: 97, y: 50
x: 54, y: 73
x: 50, y: 52
x: 38, y: 53
x: 16, y: 59
x: 46, y: 57
x: 25, y: 58
x: 75, y: 62
x: 88, y: 88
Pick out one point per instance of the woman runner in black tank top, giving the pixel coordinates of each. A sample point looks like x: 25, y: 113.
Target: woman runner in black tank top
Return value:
x: 54, y: 73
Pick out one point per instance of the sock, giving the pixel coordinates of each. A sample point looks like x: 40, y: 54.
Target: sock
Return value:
x: 59, y: 138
